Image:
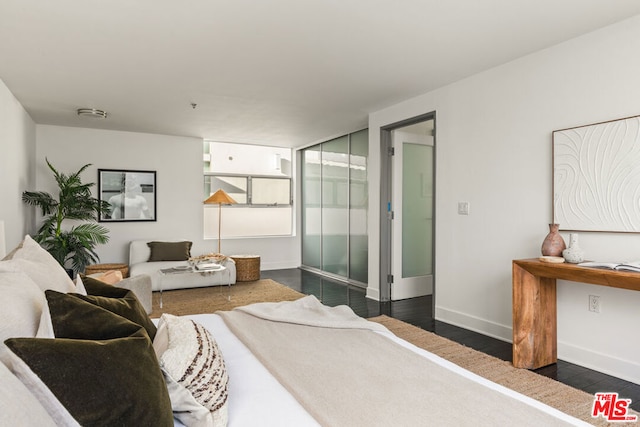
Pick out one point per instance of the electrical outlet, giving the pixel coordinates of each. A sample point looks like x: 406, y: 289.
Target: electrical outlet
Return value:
x: 594, y: 303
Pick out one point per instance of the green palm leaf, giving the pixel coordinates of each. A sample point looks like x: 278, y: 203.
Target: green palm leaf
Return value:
x: 73, y: 248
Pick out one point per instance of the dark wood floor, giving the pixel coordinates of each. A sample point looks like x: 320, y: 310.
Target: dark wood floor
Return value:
x: 417, y: 311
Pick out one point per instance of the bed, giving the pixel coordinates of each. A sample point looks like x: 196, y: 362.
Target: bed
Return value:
x: 257, y: 380
x: 86, y: 353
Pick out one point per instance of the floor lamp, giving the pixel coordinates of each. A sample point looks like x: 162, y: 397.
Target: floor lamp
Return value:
x: 219, y: 198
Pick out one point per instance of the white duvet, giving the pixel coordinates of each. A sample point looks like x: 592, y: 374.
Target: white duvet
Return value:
x: 256, y: 398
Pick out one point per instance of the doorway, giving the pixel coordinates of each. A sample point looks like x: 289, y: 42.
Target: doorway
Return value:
x: 407, y: 195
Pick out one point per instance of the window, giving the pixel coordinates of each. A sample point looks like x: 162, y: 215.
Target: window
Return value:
x: 235, y: 186
x: 258, y: 178
x: 251, y: 190
x: 270, y: 191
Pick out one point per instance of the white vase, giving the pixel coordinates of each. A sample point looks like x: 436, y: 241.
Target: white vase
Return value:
x: 574, y: 253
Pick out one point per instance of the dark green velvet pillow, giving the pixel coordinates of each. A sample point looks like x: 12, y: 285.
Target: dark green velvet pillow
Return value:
x: 102, y: 369
x: 100, y: 288
x: 169, y: 251
x: 117, y: 300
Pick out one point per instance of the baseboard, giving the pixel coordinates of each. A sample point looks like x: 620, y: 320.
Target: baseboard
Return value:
x: 373, y: 293
x: 607, y: 364
x: 475, y: 324
x: 280, y: 265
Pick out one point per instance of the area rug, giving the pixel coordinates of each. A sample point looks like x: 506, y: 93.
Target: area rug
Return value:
x: 211, y: 299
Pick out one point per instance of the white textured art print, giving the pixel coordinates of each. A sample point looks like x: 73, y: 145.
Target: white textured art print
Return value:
x: 596, y: 177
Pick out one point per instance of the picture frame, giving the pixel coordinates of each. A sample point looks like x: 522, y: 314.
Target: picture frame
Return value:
x: 131, y: 194
x: 596, y: 177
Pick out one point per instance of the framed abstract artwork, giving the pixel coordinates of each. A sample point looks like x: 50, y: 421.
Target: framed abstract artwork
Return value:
x: 131, y: 194
x: 596, y: 177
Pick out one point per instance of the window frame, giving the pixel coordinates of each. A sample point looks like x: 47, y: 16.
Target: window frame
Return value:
x: 249, y: 179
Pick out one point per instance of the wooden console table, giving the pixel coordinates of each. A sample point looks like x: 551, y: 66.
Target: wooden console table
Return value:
x: 535, y: 334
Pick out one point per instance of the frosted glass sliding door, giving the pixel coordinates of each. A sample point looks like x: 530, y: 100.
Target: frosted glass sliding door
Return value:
x: 334, y: 207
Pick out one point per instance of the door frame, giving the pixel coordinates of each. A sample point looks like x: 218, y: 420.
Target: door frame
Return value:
x: 386, y: 185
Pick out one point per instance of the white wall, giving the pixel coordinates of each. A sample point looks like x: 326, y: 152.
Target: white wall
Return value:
x: 17, y: 147
x: 493, y: 149
x: 178, y: 165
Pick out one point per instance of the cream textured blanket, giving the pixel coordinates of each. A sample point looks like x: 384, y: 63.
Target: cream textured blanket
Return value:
x: 345, y: 373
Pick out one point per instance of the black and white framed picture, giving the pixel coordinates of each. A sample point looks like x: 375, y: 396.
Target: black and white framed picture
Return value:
x: 131, y: 194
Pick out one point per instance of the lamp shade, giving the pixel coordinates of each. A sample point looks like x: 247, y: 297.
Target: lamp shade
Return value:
x: 220, y: 197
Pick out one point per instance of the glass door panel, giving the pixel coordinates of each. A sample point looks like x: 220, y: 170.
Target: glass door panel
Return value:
x: 358, y: 207
x: 311, y: 207
x: 335, y: 205
x: 417, y: 210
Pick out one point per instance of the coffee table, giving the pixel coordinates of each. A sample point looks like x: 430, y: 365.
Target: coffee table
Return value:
x: 188, y: 269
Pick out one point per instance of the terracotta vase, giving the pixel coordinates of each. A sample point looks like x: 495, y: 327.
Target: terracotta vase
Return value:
x: 553, y: 244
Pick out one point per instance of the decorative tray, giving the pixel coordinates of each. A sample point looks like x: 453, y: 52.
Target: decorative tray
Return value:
x: 552, y: 259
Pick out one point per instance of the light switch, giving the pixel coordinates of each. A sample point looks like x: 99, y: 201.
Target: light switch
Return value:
x: 463, y: 208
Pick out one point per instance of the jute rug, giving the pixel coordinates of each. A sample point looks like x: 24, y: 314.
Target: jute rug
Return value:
x: 555, y: 394
x: 211, y: 299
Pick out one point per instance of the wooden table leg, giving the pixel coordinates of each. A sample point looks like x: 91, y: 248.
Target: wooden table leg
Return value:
x: 535, y: 334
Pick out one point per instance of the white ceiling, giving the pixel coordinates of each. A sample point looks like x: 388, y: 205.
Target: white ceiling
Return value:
x: 278, y: 72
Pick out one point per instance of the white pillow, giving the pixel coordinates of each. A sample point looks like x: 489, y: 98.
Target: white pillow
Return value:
x: 38, y: 264
x: 18, y: 407
x: 194, y: 371
x: 21, y: 306
x: 45, y: 328
x: 80, y: 289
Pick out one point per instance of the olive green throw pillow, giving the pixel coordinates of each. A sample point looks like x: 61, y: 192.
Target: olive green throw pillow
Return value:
x: 94, y: 286
x: 169, y: 251
x: 119, y: 301
x: 101, y: 368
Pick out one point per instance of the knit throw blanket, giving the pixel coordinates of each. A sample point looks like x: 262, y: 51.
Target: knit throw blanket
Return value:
x: 344, y: 373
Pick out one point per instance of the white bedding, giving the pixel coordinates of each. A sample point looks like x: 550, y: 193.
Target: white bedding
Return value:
x: 256, y: 398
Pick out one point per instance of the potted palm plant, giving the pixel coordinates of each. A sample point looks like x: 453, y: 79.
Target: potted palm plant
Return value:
x: 73, y: 248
